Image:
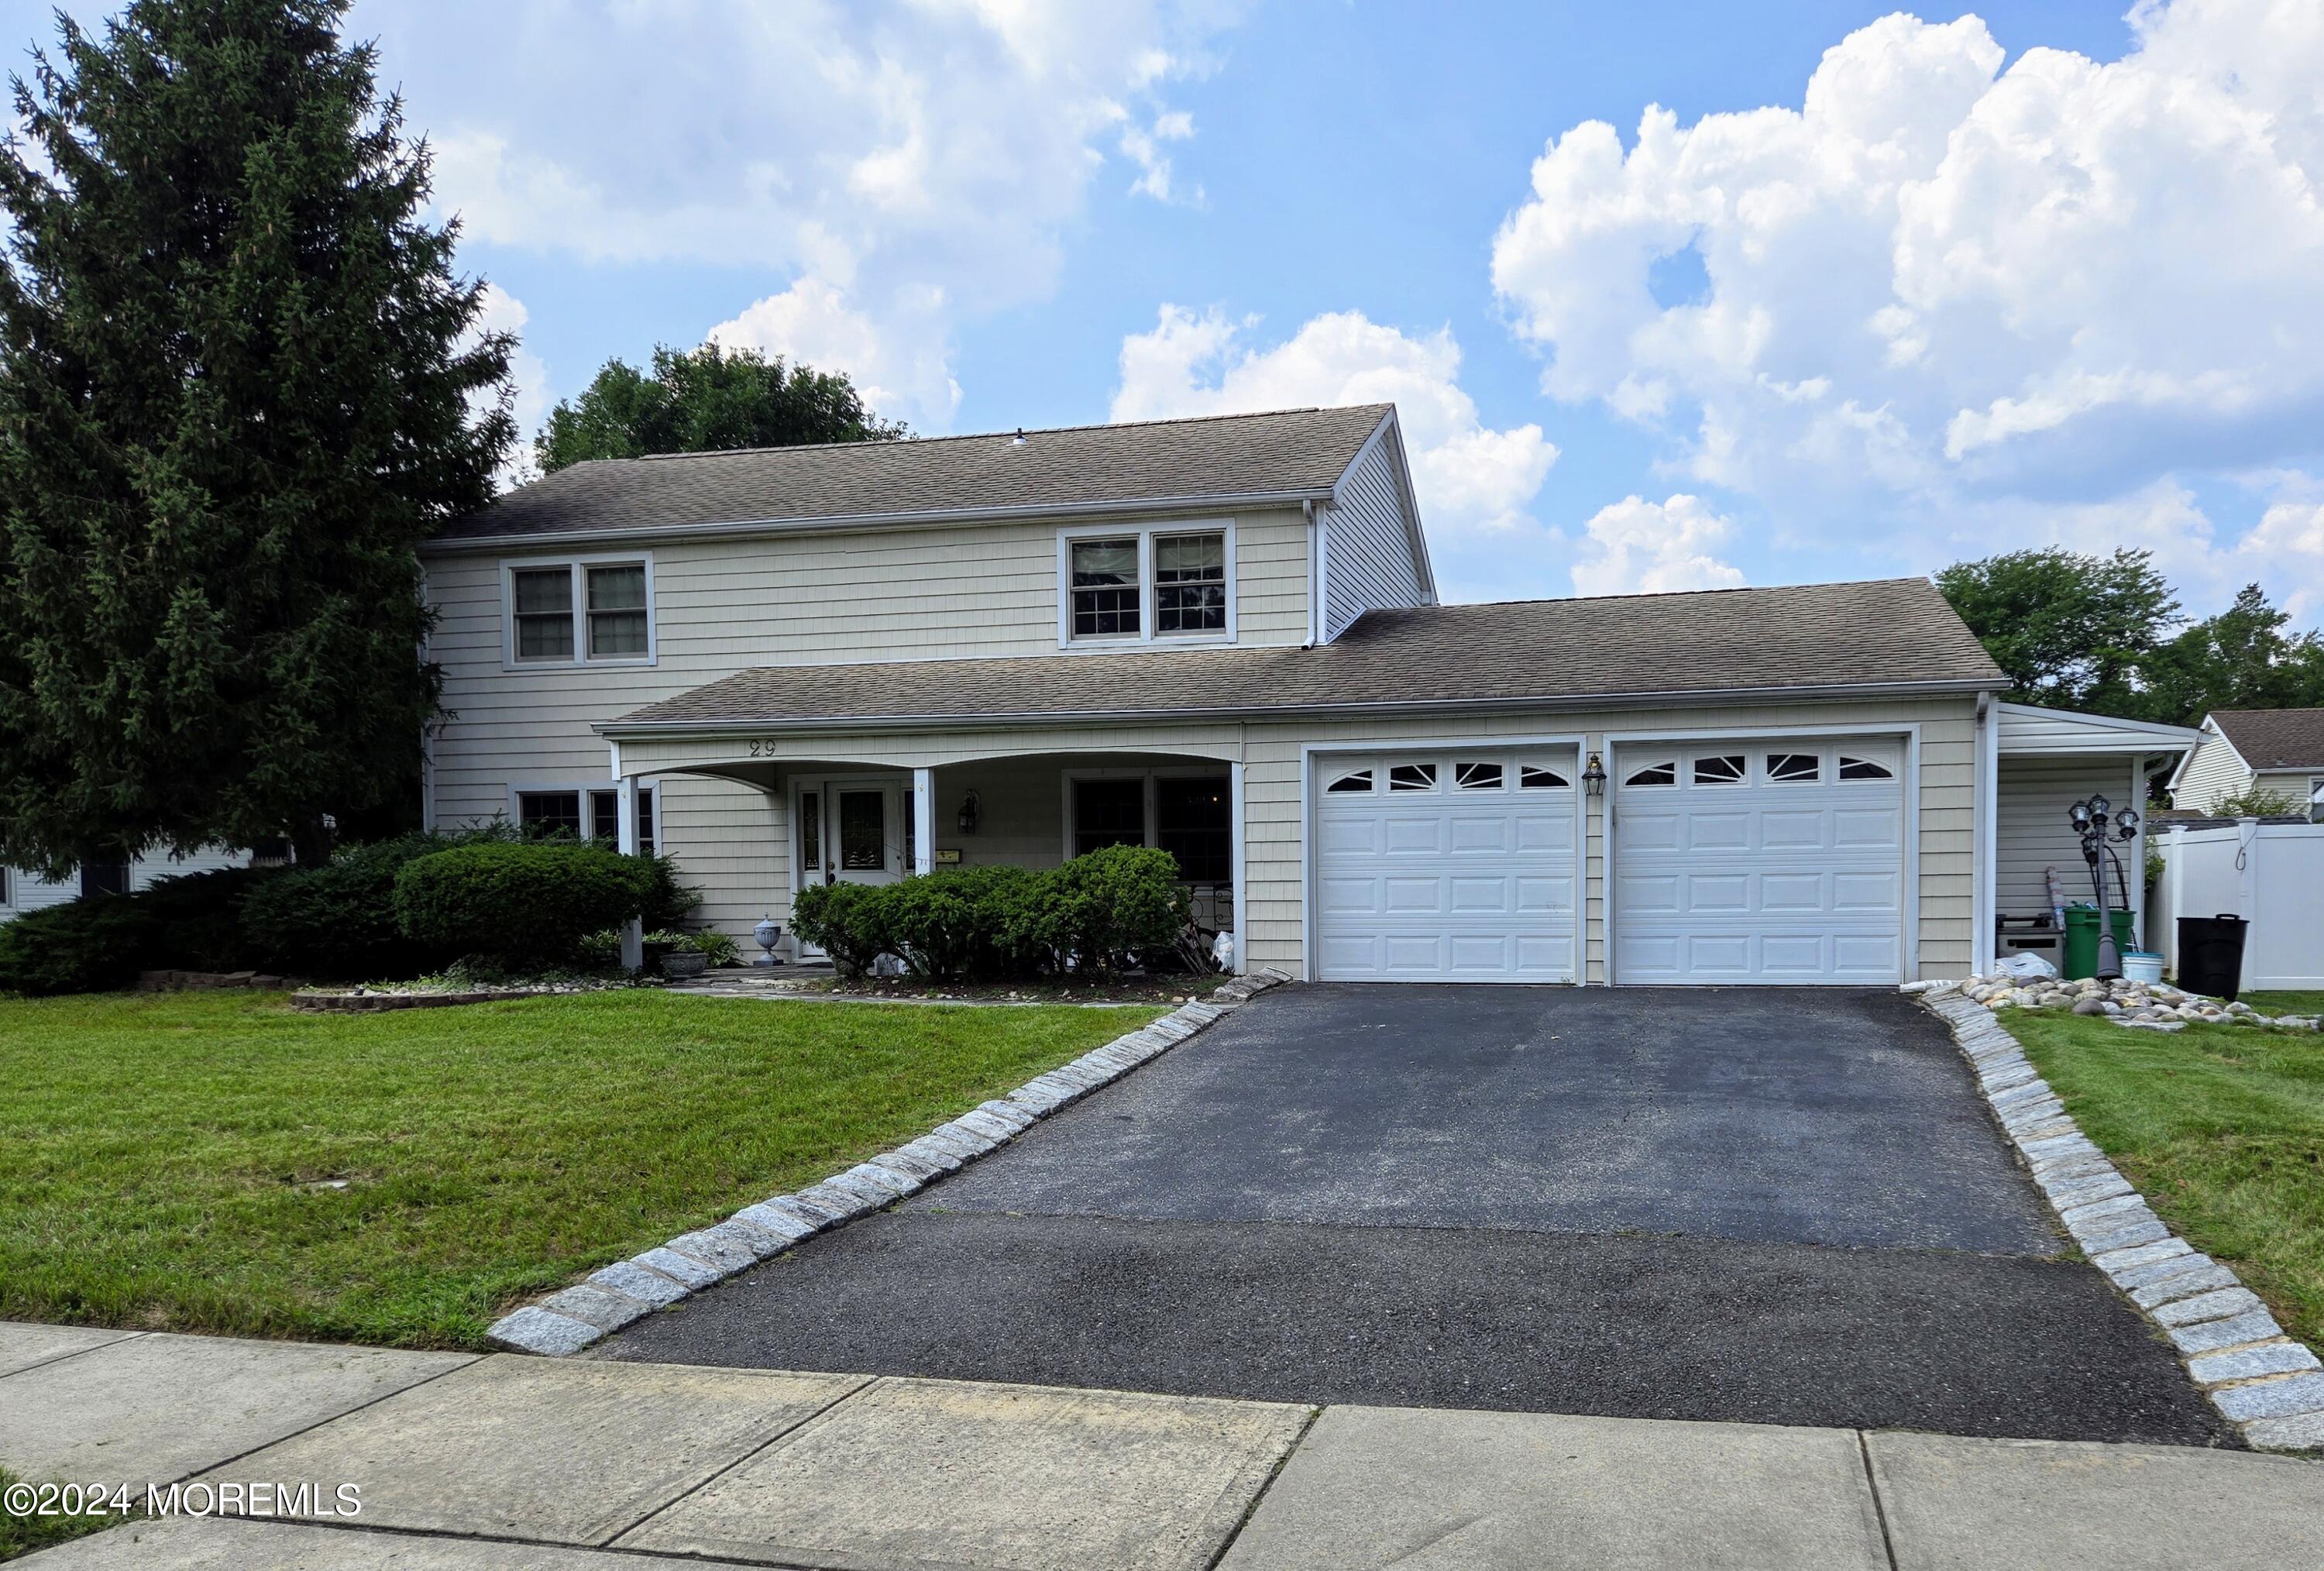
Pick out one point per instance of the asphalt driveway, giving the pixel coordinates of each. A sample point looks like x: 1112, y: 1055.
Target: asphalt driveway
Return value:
x: 1739, y: 1203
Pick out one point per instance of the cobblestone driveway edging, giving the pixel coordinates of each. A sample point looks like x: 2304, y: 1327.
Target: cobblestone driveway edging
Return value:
x: 566, y: 1322
x: 2264, y: 1382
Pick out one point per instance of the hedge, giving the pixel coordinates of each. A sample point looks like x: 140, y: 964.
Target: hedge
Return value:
x: 1097, y: 913
x: 518, y: 903
x: 193, y: 922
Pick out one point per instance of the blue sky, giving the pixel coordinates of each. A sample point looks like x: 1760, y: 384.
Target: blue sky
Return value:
x: 1873, y: 292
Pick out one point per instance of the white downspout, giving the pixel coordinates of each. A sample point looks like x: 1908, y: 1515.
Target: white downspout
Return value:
x: 1315, y: 587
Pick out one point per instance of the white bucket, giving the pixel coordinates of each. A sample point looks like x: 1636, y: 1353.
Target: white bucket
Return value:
x: 2138, y: 966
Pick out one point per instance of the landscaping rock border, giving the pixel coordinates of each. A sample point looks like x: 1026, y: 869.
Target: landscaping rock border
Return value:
x: 371, y: 1003
x: 566, y: 1322
x: 2269, y: 1387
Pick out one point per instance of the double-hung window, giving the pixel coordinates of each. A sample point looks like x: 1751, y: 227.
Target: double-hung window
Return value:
x: 574, y: 813
x: 580, y: 612
x: 1148, y: 584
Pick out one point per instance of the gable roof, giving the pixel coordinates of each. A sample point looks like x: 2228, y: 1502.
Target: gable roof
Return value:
x: 2273, y: 738
x: 1285, y: 455
x: 1895, y: 635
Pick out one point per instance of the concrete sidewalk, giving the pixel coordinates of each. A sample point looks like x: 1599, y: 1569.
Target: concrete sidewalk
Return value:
x: 465, y: 1463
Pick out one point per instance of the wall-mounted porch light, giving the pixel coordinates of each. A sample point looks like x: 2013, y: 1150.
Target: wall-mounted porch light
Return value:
x: 1594, y: 777
x: 968, y: 811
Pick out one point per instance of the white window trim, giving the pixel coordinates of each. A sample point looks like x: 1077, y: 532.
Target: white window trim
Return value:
x: 522, y: 788
x: 1146, y: 637
x: 1150, y: 775
x: 509, y: 568
x: 2315, y: 798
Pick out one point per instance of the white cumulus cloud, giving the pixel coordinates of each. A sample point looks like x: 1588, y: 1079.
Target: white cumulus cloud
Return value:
x: 502, y: 312
x: 1470, y: 477
x: 1636, y: 547
x: 901, y: 371
x: 1946, y: 282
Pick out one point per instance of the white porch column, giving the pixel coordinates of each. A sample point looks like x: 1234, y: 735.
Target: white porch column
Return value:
x: 1985, y: 819
x: 923, y: 820
x: 1241, y: 912
x: 625, y: 817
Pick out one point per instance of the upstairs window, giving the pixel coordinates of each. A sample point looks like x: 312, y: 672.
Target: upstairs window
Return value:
x: 1105, y: 588
x: 580, y: 612
x: 1145, y: 585
x: 1190, y: 583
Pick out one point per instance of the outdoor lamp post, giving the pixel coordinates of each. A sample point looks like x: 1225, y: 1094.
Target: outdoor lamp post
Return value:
x: 2090, y: 817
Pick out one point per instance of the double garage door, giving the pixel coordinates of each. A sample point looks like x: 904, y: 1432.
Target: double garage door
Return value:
x: 1771, y: 861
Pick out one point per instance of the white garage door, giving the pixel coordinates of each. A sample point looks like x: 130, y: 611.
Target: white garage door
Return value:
x: 1766, y: 860
x: 1445, y: 867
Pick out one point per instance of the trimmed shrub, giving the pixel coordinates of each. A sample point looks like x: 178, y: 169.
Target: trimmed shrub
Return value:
x: 339, y: 919
x: 1104, y: 910
x: 518, y: 903
x: 88, y: 945
x: 847, y: 922
x: 1118, y: 905
x: 198, y: 919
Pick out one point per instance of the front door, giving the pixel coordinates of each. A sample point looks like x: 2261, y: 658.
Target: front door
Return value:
x: 848, y: 831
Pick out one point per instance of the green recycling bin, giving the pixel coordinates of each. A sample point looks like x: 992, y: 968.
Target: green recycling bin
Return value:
x: 2082, y: 939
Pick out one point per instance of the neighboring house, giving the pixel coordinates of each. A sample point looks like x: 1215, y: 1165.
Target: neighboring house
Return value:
x: 2242, y: 749
x: 22, y: 892
x: 1221, y: 636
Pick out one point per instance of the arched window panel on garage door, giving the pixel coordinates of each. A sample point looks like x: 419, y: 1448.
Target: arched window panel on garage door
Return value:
x: 1778, y: 871
x: 1451, y: 872
x: 1348, y: 781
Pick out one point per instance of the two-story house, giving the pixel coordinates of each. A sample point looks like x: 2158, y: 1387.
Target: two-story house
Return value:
x: 1222, y: 637
x: 2241, y: 751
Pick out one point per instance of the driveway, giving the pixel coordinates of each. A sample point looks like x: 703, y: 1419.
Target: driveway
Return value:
x: 1767, y: 1206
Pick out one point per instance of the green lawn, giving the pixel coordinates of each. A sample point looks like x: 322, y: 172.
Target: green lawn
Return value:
x: 2221, y: 1127
x: 20, y: 1534
x: 164, y: 1156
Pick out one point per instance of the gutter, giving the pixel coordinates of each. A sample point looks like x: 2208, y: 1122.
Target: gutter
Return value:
x: 845, y: 524
x: 646, y: 730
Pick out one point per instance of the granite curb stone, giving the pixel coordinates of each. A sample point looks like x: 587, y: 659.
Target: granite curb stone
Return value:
x: 2266, y: 1384
x: 568, y: 1321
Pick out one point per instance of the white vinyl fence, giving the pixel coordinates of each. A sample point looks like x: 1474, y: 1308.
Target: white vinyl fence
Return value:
x: 2269, y: 872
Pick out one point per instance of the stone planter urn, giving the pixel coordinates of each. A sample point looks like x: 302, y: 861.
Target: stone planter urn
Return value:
x: 680, y: 964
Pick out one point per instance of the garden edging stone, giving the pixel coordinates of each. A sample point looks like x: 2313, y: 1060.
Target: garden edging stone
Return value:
x: 568, y: 1321
x: 2264, y: 1382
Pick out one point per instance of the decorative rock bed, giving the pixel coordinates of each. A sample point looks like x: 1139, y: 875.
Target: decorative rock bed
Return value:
x: 370, y: 1000
x: 566, y: 1322
x: 2268, y: 1385
x: 2150, y: 1005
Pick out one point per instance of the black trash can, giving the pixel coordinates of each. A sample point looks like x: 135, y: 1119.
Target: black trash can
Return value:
x: 2212, y: 953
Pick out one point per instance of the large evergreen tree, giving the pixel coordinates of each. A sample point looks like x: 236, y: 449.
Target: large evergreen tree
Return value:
x: 706, y: 400
x: 239, y: 382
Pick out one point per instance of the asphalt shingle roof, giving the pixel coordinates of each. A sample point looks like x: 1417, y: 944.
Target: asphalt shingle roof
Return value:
x: 2275, y: 738
x: 1297, y: 451
x: 1813, y: 636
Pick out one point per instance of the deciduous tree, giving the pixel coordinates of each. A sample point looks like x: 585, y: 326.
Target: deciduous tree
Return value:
x: 706, y: 400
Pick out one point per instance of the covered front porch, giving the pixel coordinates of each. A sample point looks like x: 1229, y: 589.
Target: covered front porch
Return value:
x: 873, y: 812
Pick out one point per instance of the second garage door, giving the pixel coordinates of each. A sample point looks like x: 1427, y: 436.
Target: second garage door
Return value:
x: 1445, y: 867
x: 1766, y: 860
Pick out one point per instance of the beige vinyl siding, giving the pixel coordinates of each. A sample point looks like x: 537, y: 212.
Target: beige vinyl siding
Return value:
x: 2033, y: 832
x: 2290, y: 782
x: 2213, y: 771
x: 1367, y: 552
x: 720, y: 606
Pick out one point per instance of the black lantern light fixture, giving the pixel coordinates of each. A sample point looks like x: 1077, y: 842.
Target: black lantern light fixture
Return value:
x: 969, y: 807
x: 2091, y: 819
x: 1593, y: 777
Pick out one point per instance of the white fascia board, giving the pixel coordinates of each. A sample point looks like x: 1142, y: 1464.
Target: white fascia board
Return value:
x: 2211, y: 728
x: 2097, y: 733
x: 853, y: 524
